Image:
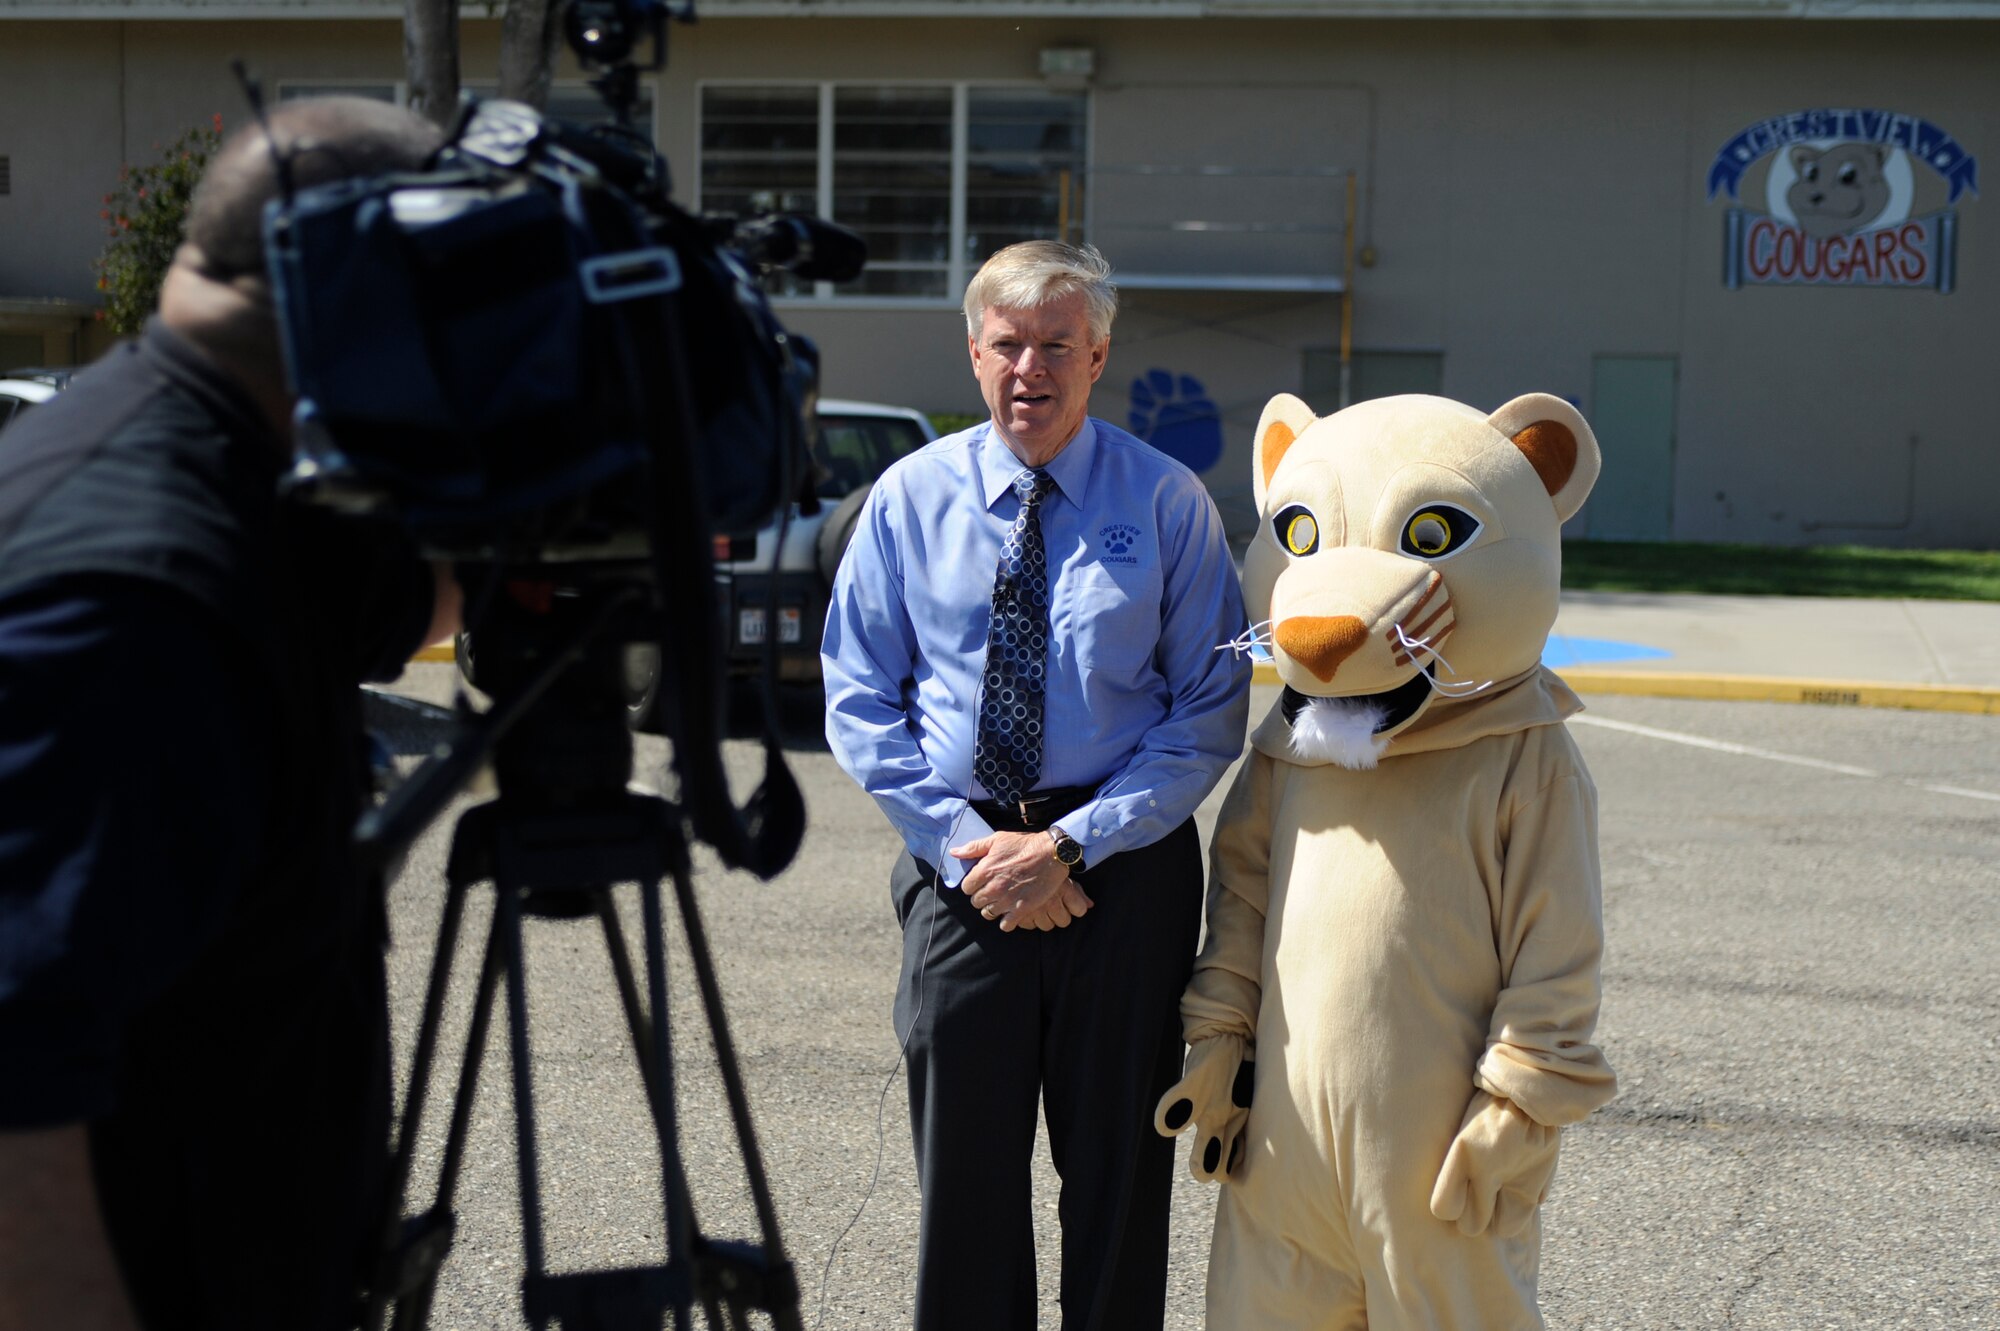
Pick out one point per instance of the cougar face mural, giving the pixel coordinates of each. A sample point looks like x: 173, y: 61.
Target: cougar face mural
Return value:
x: 1839, y: 189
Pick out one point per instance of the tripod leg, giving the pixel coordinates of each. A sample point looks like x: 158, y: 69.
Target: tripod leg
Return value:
x: 507, y: 917
x: 396, y: 1187
x: 642, y: 1042
x: 413, y: 1310
x: 681, y: 1233
x: 784, y: 1293
x: 628, y: 993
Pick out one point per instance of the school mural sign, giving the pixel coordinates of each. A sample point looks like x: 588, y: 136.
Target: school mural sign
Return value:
x: 1843, y: 203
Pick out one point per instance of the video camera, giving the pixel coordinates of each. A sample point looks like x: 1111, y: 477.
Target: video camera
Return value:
x: 562, y: 383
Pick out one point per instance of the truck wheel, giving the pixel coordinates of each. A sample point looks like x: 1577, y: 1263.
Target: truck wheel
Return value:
x: 834, y: 536
x: 645, y: 706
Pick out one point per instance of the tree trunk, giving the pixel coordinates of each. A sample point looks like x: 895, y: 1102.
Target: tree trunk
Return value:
x: 528, y: 51
x: 430, y: 57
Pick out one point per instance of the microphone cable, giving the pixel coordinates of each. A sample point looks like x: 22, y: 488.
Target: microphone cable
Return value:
x: 881, y: 1109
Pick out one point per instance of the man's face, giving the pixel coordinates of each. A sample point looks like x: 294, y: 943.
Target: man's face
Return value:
x: 1035, y: 368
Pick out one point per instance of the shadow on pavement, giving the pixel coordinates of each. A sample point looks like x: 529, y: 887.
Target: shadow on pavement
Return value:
x: 407, y: 727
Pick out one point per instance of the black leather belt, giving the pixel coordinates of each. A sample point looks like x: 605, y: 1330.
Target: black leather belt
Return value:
x: 1039, y: 809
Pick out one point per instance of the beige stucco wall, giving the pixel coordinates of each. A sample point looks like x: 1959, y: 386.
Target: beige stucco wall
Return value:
x: 1533, y: 190
x: 1539, y: 199
x: 77, y: 100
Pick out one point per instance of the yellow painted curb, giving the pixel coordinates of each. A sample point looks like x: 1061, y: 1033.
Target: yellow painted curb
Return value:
x: 1725, y: 688
x: 1760, y: 688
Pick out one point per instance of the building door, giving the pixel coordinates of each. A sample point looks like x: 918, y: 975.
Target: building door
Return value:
x: 1632, y: 411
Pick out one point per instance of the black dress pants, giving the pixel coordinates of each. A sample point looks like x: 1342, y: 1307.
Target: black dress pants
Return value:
x: 1087, y: 1019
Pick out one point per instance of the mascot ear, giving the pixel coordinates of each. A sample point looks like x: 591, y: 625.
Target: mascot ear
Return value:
x: 1557, y: 442
x: 1285, y: 418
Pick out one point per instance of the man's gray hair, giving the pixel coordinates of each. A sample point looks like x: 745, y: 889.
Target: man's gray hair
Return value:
x: 1036, y: 272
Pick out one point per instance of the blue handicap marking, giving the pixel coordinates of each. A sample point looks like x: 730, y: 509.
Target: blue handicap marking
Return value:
x: 1559, y: 652
x: 1173, y: 414
x: 1567, y: 651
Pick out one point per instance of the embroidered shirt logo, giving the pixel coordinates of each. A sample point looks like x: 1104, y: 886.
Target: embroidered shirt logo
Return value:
x: 1118, y: 539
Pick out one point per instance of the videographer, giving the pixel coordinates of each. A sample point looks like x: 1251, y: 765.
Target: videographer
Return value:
x: 193, y: 1025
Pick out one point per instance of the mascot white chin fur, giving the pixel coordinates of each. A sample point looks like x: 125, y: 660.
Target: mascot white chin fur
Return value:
x: 1391, y: 1018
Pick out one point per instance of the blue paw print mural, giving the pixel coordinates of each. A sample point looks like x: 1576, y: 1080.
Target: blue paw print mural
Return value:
x: 1173, y: 414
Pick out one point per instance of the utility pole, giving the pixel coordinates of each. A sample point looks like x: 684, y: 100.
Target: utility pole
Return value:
x: 528, y: 36
x: 430, y: 57
x: 529, y: 31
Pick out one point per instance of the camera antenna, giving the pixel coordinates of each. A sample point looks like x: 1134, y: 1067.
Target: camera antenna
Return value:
x: 253, y: 93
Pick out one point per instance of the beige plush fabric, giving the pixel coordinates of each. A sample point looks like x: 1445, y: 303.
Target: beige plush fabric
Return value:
x: 1409, y: 952
x: 1402, y: 944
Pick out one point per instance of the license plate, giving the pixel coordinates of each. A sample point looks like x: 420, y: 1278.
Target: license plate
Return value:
x: 750, y: 625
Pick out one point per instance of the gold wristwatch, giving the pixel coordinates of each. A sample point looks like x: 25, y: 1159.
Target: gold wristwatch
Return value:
x: 1067, y: 852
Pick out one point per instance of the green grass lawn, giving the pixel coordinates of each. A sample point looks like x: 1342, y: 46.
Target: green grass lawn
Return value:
x: 1755, y: 570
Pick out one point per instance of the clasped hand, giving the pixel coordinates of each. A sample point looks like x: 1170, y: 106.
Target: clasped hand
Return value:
x: 1019, y: 882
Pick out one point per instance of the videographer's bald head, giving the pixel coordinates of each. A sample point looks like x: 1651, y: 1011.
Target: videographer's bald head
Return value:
x: 216, y: 293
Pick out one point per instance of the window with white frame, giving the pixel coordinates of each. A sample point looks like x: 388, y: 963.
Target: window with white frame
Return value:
x: 934, y: 176
x: 576, y: 103
x: 579, y: 104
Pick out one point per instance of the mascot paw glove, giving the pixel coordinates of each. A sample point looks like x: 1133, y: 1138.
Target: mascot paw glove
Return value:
x: 1213, y: 1097
x: 1497, y: 1171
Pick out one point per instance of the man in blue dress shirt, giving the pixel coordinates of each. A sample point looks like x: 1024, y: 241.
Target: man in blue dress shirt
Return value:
x: 1021, y: 668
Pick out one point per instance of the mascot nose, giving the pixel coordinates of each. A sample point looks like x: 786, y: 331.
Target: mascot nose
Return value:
x: 1321, y: 642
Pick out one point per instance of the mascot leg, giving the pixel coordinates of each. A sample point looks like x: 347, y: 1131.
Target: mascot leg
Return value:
x: 1258, y: 1278
x: 1426, y: 1276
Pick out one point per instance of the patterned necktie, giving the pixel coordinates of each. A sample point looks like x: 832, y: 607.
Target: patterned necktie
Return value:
x: 1007, y: 756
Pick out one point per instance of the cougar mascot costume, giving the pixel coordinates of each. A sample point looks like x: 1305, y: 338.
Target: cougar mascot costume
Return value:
x: 1391, y: 1017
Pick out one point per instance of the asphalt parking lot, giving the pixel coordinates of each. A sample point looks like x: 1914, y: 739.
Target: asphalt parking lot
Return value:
x: 1803, y: 911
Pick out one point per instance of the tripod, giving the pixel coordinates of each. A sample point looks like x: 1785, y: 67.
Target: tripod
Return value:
x: 563, y: 831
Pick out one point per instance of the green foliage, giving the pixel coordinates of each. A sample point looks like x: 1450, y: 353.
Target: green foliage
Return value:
x: 951, y: 422
x: 1752, y: 570
x: 145, y: 218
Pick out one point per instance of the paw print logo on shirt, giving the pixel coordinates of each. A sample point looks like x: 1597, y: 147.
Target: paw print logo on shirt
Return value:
x: 1172, y: 412
x: 1118, y: 540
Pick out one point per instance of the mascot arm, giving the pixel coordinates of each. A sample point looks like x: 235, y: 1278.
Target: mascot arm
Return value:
x: 1539, y: 1053
x: 1219, y: 1009
x: 1227, y: 987
x: 1497, y: 1170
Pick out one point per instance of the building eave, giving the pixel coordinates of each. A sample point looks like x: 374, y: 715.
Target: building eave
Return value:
x: 392, y: 10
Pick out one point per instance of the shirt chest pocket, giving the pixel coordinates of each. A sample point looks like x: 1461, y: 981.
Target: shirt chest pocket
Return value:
x: 1110, y: 615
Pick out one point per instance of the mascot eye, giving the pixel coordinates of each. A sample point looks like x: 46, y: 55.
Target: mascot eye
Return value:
x: 1297, y: 529
x: 1847, y: 174
x: 1438, y: 530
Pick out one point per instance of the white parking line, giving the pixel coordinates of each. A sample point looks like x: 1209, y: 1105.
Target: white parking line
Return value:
x: 1956, y: 790
x: 1771, y: 755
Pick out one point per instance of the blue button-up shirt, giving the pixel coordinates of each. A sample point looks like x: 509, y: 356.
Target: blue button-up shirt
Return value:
x: 1140, y: 705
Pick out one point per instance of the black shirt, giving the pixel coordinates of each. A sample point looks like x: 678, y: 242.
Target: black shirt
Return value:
x: 190, y: 956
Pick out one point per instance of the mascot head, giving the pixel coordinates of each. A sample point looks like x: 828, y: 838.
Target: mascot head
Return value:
x: 1409, y: 549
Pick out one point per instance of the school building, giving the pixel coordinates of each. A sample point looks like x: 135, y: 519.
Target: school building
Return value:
x: 1747, y: 237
